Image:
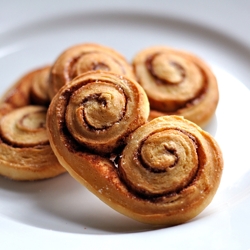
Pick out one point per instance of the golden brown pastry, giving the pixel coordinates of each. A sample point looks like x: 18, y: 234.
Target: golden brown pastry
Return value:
x: 39, y: 87
x: 5, y: 108
x: 169, y: 169
x: 173, y: 168
x: 29, y: 89
x: 100, y: 109
x: 25, y: 152
x: 177, y: 82
x: 86, y: 57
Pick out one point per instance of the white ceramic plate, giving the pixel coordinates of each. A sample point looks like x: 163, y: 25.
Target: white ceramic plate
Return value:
x: 60, y: 213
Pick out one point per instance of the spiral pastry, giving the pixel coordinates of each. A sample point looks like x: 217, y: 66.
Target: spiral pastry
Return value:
x: 177, y: 82
x: 99, y: 110
x: 25, y: 152
x: 86, y: 57
x: 29, y: 89
x: 167, y: 173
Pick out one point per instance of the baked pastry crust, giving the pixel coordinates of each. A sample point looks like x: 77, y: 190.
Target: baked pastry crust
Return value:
x: 177, y: 83
x: 117, y: 177
x: 25, y: 152
x: 86, y: 57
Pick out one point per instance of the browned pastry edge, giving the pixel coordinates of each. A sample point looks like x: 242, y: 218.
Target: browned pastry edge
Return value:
x: 30, y: 168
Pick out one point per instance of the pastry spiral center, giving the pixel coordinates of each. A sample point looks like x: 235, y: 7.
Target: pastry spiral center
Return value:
x: 32, y: 121
x: 172, y: 82
x: 25, y: 127
x: 166, y: 69
x: 164, y: 163
x: 94, y: 107
x: 158, y: 154
x: 102, y: 110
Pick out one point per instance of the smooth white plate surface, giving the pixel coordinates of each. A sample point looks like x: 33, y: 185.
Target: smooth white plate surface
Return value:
x: 60, y: 213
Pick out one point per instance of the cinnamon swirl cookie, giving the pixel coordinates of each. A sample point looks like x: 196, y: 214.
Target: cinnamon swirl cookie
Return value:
x: 25, y: 152
x: 86, y: 57
x: 177, y: 82
x: 165, y: 171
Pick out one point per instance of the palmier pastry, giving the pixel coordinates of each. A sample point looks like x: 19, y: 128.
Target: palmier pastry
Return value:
x: 29, y: 89
x: 177, y: 82
x: 86, y: 57
x: 25, y: 152
x: 167, y: 171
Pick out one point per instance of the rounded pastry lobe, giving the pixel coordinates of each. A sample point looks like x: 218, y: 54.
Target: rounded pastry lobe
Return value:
x: 25, y: 152
x: 86, y: 57
x: 172, y: 166
x: 168, y: 172
x: 39, y: 88
x: 28, y: 90
x: 99, y: 110
x: 177, y: 82
x: 168, y: 156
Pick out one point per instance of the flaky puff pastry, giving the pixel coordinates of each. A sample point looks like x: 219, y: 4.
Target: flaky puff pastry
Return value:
x: 164, y: 172
x: 85, y: 57
x: 25, y: 152
x: 177, y: 83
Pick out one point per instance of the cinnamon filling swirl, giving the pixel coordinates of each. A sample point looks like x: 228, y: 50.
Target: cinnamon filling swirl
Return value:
x: 100, y: 109
x: 177, y: 83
